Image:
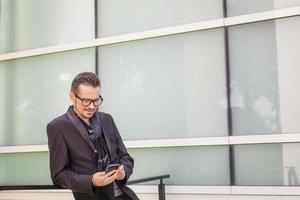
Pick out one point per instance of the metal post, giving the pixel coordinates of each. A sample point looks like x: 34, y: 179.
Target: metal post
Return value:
x: 161, y: 190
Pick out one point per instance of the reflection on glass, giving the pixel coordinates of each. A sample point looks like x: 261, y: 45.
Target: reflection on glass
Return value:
x: 267, y: 164
x: 38, y: 23
x: 167, y: 87
x: 291, y: 165
x: 254, y: 79
x: 288, y: 48
x: 119, y: 17
x: 24, y: 169
x: 35, y: 90
x: 264, y: 67
x: 186, y: 165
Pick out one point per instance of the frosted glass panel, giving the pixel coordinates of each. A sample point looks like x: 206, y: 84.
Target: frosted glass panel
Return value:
x: 254, y: 79
x: 288, y: 51
x: 267, y: 164
x: 117, y: 17
x: 167, y: 87
x: 240, y: 7
x: 264, y: 62
x: 35, y: 90
x: 37, y: 23
x: 24, y: 169
x: 186, y: 165
x: 3, y: 102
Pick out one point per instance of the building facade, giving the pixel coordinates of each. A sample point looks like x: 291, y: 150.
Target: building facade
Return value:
x: 203, y: 90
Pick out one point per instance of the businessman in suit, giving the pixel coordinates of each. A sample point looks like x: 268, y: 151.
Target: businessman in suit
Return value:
x: 83, y: 142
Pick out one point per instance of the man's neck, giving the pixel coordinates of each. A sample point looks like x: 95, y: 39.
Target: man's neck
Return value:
x: 86, y: 120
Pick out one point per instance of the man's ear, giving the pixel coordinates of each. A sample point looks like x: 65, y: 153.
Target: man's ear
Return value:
x: 72, y: 97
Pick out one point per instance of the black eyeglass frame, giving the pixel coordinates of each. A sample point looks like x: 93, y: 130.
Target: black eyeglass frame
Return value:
x: 96, y: 102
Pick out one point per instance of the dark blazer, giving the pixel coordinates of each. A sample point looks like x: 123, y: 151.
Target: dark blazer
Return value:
x: 72, y: 160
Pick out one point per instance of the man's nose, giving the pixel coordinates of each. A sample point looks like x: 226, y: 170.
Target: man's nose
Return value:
x: 92, y: 106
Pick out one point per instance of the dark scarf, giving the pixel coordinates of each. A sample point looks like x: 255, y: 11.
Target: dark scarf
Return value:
x: 96, y: 135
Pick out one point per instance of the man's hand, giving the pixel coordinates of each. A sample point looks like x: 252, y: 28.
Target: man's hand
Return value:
x: 120, y: 173
x: 102, y: 178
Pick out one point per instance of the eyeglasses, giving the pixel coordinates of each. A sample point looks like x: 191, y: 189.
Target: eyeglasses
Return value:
x: 87, y: 102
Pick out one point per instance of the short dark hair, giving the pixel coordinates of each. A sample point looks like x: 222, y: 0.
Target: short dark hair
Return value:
x: 85, y: 78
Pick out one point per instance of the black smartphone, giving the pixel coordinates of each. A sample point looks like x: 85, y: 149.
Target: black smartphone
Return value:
x: 111, y: 167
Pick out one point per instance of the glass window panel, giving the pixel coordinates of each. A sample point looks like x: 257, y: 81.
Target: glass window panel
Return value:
x: 288, y: 49
x: 25, y: 169
x: 186, y: 165
x: 241, y: 7
x: 37, y: 23
x: 118, y: 17
x: 3, y: 102
x: 267, y: 164
x: 167, y: 87
x: 35, y: 90
x: 264, y: 67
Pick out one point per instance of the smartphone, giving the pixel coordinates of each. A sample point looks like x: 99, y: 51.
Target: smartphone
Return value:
x: 111, y: 167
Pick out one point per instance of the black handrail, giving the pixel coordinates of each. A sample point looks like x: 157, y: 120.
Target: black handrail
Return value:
x: 143, y: 180
x: 161, y: 186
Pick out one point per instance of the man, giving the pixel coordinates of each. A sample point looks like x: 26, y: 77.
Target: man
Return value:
x: 83, y: 142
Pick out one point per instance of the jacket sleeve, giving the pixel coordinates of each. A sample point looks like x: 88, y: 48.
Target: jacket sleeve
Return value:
x: 60, y: 166
x: 125, y: 159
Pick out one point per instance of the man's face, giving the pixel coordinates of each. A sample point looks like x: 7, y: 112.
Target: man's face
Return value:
x: 85, y: 92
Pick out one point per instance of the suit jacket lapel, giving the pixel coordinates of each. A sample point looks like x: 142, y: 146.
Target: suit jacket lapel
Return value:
x: 105, y: 130
x: 81, y: 129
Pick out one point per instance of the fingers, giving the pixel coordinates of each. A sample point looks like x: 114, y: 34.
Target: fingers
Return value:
x: 121, y: 173
x: 108, y: 174
x: 99, y: 173
x: 121, y: 168
x: 102, y: 178
x: 110, y: 178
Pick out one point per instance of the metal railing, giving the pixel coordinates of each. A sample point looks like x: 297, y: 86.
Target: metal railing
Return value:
x: 161, y: 186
